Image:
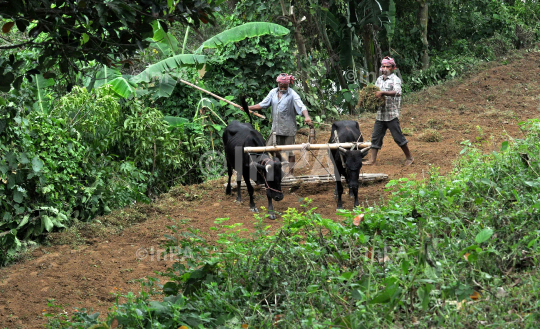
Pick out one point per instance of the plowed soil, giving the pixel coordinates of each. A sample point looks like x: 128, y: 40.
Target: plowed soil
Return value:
x: 484, y: 108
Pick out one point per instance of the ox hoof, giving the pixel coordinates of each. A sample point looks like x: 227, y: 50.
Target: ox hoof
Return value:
x: 238, y: 201
x: 254, y: 209
x: 351, y: 196
x: 228, y: 191
x: 339, y: 207
x: 272, y: 216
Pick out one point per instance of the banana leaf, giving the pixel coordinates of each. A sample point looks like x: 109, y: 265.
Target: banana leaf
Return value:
x: 167, y: 65
x: 175, y: 121
x: 123, y: 87
x: 391, y: 25
x: 106, y: 75
x: 248, y: 30
x: 164, y: 41
x: 331, y: 21
x: 163, y: 86
x: 42, y: 103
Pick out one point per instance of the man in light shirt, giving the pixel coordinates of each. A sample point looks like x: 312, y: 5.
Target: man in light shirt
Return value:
x: 286, y: 105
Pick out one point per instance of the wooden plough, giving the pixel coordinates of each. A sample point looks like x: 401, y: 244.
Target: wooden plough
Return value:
x: 314, y: 179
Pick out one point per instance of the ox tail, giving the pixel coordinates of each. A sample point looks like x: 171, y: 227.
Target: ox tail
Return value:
x: 245, y: 107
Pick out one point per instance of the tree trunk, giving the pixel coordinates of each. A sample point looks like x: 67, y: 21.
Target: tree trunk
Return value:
x: 372, y: 51
x: 300, y: 43
x: 283, y: 10
x: 423, y: 16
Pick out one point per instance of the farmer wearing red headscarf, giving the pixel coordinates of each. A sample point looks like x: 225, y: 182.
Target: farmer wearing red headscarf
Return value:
x: 388, y: 115
x: 286, y: 105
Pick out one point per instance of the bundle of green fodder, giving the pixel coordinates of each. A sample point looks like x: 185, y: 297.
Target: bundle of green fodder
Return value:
x: 368, y: 101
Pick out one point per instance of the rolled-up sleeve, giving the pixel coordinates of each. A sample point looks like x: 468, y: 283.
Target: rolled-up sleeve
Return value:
x: 267, y: 101
x: 298, y: 104
x: 397, y: 86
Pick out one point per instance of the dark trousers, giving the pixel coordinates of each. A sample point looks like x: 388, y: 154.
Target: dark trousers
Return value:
x: 379, y: 130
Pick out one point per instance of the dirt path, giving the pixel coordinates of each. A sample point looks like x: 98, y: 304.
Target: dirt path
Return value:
x: 484, y: 107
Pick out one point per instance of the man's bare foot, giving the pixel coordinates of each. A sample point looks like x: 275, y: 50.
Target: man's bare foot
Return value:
x: 408, y: 162
x: 368, y: 163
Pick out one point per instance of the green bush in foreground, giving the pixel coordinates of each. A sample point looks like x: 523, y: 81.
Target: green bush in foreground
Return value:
x: 89, y: 154
x: 459, y: 251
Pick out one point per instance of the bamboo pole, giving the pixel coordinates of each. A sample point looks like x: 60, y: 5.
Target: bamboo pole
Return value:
x: 220, y: 98
x: 332, y: 146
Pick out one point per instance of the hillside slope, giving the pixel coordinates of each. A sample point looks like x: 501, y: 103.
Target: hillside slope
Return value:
x: 485, y: 107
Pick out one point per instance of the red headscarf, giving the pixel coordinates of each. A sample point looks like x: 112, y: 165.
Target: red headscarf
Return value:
x: 388, y: 61
x: 285, y: 78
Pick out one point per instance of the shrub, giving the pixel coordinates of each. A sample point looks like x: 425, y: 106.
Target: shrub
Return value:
x: 88, y: 155
x: 430, y: 136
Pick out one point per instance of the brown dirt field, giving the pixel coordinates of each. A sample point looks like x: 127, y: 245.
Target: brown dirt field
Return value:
x: 485, y: 106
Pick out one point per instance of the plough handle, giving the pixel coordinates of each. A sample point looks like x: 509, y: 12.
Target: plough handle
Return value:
x: 221, y: 98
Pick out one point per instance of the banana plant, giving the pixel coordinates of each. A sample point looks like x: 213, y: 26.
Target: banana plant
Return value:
x: 163, y: 74
x: 43, y: 98
x: 239, y: 33
x: 391, y: 25
x: 355, y: 27
x: 120, y: 83
x: 159, y: 79
x: 163, y: 40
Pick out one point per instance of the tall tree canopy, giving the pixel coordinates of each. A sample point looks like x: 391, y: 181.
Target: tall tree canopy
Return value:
x: 69, y: 32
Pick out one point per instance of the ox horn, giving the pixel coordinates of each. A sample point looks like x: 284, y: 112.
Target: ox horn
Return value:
x: 268, y: 166
x: 342, y: 149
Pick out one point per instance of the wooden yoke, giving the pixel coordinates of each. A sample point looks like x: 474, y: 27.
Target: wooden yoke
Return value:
x: 262, y: 149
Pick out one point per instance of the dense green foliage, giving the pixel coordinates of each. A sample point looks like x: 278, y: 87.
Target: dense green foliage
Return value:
x: 439, y: 253
x: 69, y: 153
x: 123, y: 151
x: 461, y: 33
x: 91, y: 153
x: 68, y: 33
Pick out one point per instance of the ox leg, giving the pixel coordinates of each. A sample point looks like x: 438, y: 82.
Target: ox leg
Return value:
x: 351, y: 193
x: 271, y: 213
x: 355, y: 193
x: 336, y: 191
x: 229, y: 171
x: 239, y: 189
x: 250, y: 191
x: 339, y: 187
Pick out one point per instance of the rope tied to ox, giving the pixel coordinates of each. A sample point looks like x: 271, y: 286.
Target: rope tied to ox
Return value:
x: 264, y: 163
x: 305, y: 147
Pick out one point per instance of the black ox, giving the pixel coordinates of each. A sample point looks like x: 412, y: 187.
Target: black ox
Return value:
x: 267, y: 170
x: 347, y: 162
